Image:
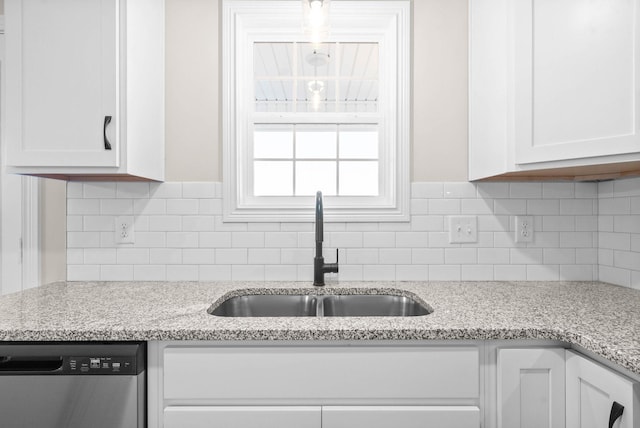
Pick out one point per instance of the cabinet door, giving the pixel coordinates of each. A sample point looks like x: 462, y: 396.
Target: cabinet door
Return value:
x: 576, y: 76
x: 401, y: 416
x: 242, y: 417
x: 592, y: 390
x: 62, y: 80
x: 531, y: 388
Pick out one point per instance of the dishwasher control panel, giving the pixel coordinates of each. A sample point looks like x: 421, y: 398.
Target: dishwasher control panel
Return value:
x: 100, y: 365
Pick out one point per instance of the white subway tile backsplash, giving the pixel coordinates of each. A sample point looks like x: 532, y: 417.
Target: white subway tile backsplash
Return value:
x: 215, y: 239
x: 228, y: 256
x: 412, y: 239
x: 577, y: 272
x: 165, y: 256
x: 543, y: 207
x: 166, y: 190
x: 183, y: 206
x: 460, y: 190
x: 135, y: 190
x: 83, y: 206
x: 510, y: 206
x: 198, y: 256
x: 614, y: 206
x: 180, y: 235
x: 282, y: 239
x: 98, y: 190
x: 362, y: 256
x: 460, y: 256
x: 116, y: 273
x: 280, y: 273
x: 412, y: 273
x: 395, y: 256
x: 477, y: 273
x: 150, y: 273
x: 83, y: 272
x: 183, y: 240
x: 525, y: 190
x: 263, y: 256
x: 182, y: 273
x: 379, y: 272
x: 558, y: 190
x: 510, y: 272
x: 214, y: 272
x: 444, y: 273
x: 199, y: 190
x: 543, y: 273
x: 444, y: 206
x: 423, y: 190
x: 247, y: 273
x: 493, y: 190
x: 132, y: 256
x: 165, y: 223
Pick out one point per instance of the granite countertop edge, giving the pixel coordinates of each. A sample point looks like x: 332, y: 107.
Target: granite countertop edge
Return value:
x: 598, y: 317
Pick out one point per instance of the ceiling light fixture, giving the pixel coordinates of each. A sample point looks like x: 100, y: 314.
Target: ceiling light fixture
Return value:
x: 315, y: 15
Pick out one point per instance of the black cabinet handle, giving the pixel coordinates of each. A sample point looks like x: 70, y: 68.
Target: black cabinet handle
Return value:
x: 616, y: 412
x: 107, y: 121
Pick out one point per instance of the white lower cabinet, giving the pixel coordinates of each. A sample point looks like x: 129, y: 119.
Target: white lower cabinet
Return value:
x: 531, y: 388
x: 312, y: 385
x: 595, y: 394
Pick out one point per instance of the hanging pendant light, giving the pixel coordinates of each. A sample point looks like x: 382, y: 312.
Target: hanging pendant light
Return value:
x: 315, y: 22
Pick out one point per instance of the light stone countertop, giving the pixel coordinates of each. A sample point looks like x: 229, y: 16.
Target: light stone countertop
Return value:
x: 598, y: 317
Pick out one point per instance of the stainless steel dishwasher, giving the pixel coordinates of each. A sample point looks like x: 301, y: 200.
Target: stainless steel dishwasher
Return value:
x: 72, y: 385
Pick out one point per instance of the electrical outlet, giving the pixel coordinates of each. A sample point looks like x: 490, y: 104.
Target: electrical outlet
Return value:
x: 463, y: 229
x: 125, y: 233
x: 524, y: 228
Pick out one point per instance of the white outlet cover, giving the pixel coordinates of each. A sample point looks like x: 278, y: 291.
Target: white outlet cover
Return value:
x: 124, y: 230
x: 463, y: 229
x: 524, y: 228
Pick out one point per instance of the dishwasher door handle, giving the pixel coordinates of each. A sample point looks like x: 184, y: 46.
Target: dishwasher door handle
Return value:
x: 12, y: 364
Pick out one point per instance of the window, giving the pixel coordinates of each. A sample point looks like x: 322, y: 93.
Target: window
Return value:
x: 301, y: 116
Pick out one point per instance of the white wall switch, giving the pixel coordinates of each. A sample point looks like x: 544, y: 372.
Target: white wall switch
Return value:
x: 524, y: 228
x: 463, y: 229
x: 125, y: 233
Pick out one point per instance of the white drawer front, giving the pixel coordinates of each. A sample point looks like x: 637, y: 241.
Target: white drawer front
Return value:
x: 242, y: 417
x: 401, y: 416
x: 320, y: 373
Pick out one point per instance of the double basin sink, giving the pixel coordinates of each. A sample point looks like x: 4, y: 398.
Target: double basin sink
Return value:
x: 328, y: 305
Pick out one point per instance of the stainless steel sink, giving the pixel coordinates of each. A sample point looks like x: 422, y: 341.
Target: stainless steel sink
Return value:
x: 332, y: 305
x: 371, y: 305
x: 258, y: 305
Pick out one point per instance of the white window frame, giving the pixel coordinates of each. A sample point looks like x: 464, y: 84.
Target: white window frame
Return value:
x: 385, y: 22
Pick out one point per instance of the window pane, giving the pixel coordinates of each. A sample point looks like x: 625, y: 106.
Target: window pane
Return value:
x: 273, y: 178
x: 358, y: 60
x: 313, y: 176
x: 273, y: 142
x: 358, y: 178
x: 358, y: 142
x: 274, y: 95
x: 272, y: 59
x: 316, y: 59
x: 316, y: 95
x: 316, y: 142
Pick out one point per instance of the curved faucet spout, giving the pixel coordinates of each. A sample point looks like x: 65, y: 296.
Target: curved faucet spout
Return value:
x: 319, y: 219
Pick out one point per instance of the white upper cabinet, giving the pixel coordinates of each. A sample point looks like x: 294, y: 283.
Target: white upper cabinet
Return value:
x: 554, y: 86
x: 85, y: 88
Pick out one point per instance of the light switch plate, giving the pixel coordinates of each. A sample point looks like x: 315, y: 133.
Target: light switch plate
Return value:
x: 463, y: 229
